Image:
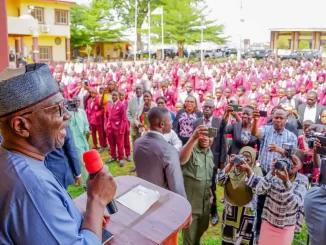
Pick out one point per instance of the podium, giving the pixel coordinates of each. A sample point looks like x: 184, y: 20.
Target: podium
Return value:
x: 160, y: 224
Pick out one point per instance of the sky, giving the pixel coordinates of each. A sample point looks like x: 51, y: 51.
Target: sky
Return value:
x: 261, y: 15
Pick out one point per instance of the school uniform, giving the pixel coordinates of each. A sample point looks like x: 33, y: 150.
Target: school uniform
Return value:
x: 115, y: 126
x: 95, y: 118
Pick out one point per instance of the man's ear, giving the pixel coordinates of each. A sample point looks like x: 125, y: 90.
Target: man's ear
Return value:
x: 20, y: 126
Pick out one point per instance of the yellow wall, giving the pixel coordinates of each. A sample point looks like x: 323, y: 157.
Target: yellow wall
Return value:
x: 58, y: 51
x: 104, y: 47
x: 13, y: 7
x: 286, y: 36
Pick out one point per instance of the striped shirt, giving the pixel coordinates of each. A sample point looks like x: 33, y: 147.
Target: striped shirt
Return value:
x: 284, y: 203
x: 270, y: 136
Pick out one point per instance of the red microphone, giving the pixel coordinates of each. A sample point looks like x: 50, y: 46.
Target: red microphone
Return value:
x: 94, y: 164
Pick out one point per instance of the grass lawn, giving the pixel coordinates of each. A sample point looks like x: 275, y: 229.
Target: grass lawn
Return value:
x: 213, y: 234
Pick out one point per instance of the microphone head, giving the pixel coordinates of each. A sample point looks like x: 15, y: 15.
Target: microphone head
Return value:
x: 93, y: 161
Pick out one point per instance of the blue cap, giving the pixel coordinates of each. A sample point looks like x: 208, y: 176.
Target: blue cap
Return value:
x: 33, y: 84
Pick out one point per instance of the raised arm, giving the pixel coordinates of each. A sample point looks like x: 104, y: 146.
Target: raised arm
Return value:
x: 254, y: 128
x: 186, y: 150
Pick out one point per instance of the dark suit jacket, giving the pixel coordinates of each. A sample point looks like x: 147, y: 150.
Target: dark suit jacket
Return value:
x: 296, y: 102
x: 302, y: 109
x: 235, y: 129
x: 158, y: 162
x: 220, y: 143
x: 64, y: 162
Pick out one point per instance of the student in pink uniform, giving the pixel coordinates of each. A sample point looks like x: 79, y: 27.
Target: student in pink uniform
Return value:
x: 126, y: 139
x: 94, y: 113
x: 115, y: 126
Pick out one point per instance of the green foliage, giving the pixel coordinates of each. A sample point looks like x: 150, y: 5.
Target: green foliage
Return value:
x: 93, y: 24
x: 283, y: 43
x: 304, y: 44
x: 126, y: 13
x: 183, y: 21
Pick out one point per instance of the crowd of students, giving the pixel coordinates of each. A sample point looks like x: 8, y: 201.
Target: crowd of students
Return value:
x: 261, y: 105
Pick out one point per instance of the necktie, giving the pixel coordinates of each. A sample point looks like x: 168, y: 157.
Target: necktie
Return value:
x: 137, y: 101
x: 206, y: 121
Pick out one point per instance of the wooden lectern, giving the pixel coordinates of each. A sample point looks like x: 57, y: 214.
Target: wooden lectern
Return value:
x: 159, y: 225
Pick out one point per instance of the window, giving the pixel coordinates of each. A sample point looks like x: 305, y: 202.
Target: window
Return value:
x: 61, y: 17
x: 45, y: 53
x: 38, y: 13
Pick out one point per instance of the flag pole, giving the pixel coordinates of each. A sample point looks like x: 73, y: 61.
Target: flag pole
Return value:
x: 135, y: 48
x: 162, y: 34
x: 149, y: 31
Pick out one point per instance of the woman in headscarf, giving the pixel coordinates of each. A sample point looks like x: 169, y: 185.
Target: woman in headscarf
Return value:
x: 240, y: 200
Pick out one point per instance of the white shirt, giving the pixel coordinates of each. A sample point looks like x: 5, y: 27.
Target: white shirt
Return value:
x: 172, y: 138
x: 310, y: 113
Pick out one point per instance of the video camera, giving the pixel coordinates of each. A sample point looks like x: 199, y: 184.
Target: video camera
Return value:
x: 239, y: 159
x: 311, y: 138
x: 71, y: 105
x: 285, y: 162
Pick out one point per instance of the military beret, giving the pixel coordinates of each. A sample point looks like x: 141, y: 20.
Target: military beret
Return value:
x: 24, y: 87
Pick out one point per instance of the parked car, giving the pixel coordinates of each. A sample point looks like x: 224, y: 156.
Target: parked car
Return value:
x: 249, y: 54
x: 207, y: 54
x: 309, y: 54
x: 294, y: 56
x: 153, y: 53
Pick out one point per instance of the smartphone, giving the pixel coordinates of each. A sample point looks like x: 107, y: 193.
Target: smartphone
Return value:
x: 106, y: 236
x: 322, y: 149
x: 86, y: 83
x: 263, y: 113
x: 212, y: 132
x: 236, y: 108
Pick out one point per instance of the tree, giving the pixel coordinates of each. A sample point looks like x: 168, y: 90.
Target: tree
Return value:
x: 93, y: 24
x: 183, y: 22
x: 126, y: 13
x: 304, y: 44
x: 283, y: 43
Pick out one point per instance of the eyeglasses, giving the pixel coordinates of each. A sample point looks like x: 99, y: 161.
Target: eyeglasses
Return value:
x: 61, y: 106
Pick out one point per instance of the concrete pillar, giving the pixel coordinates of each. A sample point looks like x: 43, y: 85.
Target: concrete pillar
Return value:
x: 276, y: 34
x: 22, y: 45
x: 4, y: 54
x: 317, y: 42
x: 68, y: 48
x: 313, y: 41
x: 296, y: 40
x: 17, y: 46
x: 35, y: 49
x: 17, y: 50
x: 271, y: 45
x: 292, y: 41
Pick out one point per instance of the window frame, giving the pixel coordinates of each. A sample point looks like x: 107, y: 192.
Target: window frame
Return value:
x: 43, y: 17
x: 50, y: 53
x: 55, y: 16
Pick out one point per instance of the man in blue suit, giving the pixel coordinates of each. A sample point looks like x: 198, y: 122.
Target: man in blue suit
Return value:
x: 64, y: 162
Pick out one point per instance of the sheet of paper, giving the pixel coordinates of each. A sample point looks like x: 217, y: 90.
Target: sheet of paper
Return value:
x: 139, y: 199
